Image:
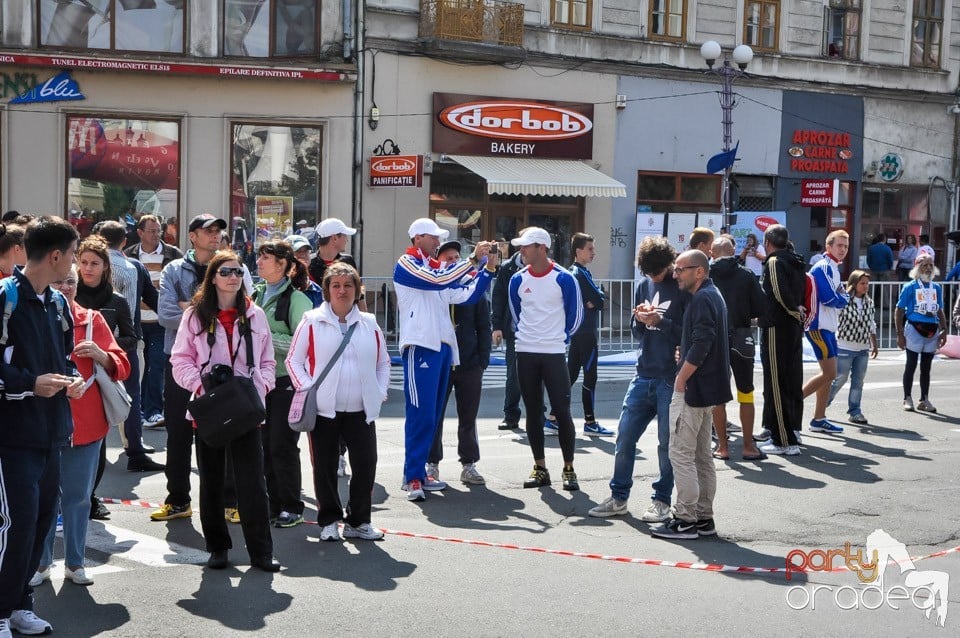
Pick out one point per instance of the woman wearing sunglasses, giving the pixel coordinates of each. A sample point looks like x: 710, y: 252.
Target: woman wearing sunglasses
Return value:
x: 78, y: 461
x: 221, y: 308
x: 280, y: 297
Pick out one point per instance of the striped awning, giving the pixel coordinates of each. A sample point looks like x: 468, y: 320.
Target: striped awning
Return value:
x: 522, y: 176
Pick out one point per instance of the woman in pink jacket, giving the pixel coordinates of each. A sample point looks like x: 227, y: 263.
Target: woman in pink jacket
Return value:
x: 78, y: 463
x: 221, y: 306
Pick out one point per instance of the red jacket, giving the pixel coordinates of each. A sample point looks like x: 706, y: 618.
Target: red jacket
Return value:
x: 89, y: 419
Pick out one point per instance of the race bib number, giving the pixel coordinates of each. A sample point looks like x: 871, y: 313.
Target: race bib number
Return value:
x: 926, y: 300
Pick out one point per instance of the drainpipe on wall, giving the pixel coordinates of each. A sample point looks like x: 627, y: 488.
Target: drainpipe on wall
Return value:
x: 356, y: 215
x: 955, y: 176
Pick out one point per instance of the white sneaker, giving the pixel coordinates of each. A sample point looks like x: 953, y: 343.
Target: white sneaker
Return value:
x: 788, y: 450
x: 156, y: 421
x: 39, y: 576
x: 658, y: 512
x: 470, y: 476
x: 342, y: 466
x: 78, y: 576
x: 5, y: 628
x: 610, y: 507
x: 433, y: 485
x: 925, y: 406
x: 414, y: 491
x: 26, y: 622
x: 432, y: 470
x: 331, y: 532
x: 364, y: 531
x: 908, y: 404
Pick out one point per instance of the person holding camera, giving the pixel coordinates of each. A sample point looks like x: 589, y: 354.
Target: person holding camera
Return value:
x: 209, y: 350
x: 346, y: 348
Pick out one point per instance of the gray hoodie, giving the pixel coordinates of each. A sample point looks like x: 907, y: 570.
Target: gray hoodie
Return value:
x: 179, y: 281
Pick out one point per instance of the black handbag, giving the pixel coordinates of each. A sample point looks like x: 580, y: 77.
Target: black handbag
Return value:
x: 232, y: 408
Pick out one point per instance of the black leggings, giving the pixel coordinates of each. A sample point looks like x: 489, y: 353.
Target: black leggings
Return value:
x: 926, y: 358
x: 536, y: 371
x: 583, y: 354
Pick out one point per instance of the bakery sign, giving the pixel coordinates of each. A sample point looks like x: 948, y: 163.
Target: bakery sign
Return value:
x: 511, y: 127
x: 396, y: 170
x: 814, y: 151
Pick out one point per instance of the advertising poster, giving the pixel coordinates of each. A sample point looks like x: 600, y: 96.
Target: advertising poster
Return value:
x: 274, y: 217
x: 756, y: 223
x: 679, y: 227
x: 648, y: 223
x: 713, y: 221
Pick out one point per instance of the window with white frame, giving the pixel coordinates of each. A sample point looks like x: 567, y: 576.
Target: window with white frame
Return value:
x: 841, y: 30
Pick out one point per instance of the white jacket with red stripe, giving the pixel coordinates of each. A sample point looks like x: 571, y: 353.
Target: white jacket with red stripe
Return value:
x: 317, y: 339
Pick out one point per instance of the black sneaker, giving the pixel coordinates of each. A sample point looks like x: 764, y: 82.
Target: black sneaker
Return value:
x: 98, y: 511
x: 676, y: 529
x: 539, y: 477
x: 705, y: 527
x: 570, y: 480
x: 508, y: 425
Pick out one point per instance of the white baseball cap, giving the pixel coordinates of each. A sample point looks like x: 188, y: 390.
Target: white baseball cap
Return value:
x: 333, y: 226
x: 532, y: 235
x: 426, y: 226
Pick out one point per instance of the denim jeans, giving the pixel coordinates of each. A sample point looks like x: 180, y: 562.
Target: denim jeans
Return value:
x: 78, y: 467
x: 151, y: 388
x: 851, y: 364
x: 646, y: 398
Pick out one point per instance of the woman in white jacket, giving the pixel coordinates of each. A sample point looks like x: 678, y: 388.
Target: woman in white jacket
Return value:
x: 348, y: 399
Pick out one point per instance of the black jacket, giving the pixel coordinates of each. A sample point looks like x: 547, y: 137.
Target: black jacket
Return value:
x: 318, y: 266
x: 473, y: 330
x: 783, y: 282
x: 705, y: 345
x: 115, y: 311
x: 740, y: 290
x: 169, y: 253
x: 589, y: 292
x: 40, y: 339
x: 501, y: 318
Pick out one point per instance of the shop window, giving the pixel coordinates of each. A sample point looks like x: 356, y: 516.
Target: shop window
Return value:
x: 265, y: 28
x: 676, y: 193
x: 927, y: 33
x: 753, y: 193
x: 667, y: 19
x: 762, y: 24
x: 120, y: 25
x: 841, y: 31
x: 121, y: 169
x: 571, y: 13
x: 275, y: 182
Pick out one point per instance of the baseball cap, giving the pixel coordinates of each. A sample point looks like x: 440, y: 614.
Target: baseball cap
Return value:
x: 426, y: 226
x: 333, y: 226
x: 453, y: 243
x: 298, y: 242
x: 532, y: 235
x: 206, y: 220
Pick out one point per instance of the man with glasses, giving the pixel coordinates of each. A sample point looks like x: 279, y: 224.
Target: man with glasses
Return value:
x: 154, y: 255
x: 702, y: 383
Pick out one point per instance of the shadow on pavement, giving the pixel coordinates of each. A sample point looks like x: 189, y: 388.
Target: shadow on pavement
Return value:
x: 95, y: 620
x: 482, y: 509
x: 365, y: 564
x: 254, y: 589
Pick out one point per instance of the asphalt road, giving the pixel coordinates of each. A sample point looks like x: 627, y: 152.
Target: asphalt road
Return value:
x: 899, y: 474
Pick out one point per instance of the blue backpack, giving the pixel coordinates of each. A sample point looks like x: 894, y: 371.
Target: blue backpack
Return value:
x: 11, y: 295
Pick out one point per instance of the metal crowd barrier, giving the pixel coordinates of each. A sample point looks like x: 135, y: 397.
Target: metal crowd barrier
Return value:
x: 615, y: 335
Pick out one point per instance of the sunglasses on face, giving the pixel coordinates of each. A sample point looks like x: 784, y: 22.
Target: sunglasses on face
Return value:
x: 226, y: 272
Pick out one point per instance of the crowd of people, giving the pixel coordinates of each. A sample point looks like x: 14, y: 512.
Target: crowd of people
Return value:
x: 300, y: 342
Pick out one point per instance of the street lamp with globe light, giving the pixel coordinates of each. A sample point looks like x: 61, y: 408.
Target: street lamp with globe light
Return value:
x: 710, y: 51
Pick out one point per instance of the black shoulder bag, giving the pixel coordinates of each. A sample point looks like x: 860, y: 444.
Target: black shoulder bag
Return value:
x: 232, y: 407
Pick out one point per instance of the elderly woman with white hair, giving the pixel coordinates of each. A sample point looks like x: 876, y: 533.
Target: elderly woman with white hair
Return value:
x: 921, y: 328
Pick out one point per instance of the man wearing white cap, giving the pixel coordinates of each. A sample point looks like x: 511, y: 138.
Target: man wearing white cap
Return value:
x: 425, y: 289
x: 334, y: 237
x: 547, y: 309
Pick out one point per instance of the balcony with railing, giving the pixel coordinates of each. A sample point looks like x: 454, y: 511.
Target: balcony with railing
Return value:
x: 472, y: 28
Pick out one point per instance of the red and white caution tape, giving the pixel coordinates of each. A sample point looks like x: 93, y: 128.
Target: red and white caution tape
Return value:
x: 706, y: 567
